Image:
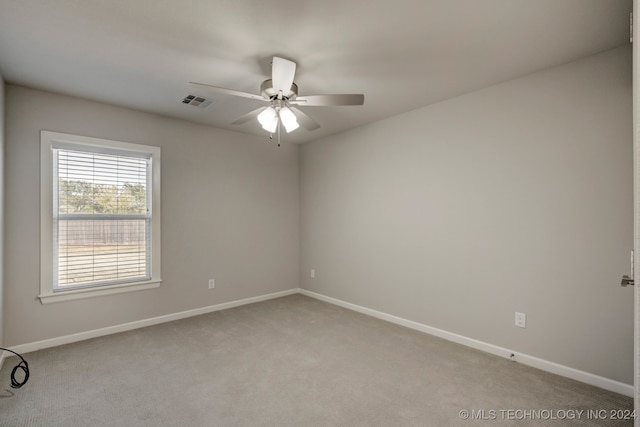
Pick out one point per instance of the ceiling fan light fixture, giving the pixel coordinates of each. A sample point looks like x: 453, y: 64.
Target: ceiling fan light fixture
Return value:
x: 289, y: 120
x: 268, y: 119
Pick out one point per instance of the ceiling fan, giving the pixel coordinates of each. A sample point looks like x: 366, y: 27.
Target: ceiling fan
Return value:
x: 280, y: 93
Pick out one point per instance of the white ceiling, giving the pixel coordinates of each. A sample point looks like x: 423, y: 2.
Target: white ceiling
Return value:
x: 401, y: 54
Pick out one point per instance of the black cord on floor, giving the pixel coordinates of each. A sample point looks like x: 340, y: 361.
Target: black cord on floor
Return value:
x: 24, y: 366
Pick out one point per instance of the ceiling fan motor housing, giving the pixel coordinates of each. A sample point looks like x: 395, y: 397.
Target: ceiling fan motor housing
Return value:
x: 267, y: 90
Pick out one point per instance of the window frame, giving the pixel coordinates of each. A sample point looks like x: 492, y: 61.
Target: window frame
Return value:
x: 55, y: 140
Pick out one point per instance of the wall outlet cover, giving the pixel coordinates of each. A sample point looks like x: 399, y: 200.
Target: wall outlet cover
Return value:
x: 521, y: 320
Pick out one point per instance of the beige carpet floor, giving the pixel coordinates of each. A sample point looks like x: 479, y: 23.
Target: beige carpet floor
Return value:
x: 292, y: 361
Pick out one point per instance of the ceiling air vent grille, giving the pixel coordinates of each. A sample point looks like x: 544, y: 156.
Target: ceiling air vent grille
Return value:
x: 196, y: 101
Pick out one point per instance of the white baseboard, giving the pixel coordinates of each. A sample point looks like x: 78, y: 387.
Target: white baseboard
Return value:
x: 81, y: 336
x: 525, y: 359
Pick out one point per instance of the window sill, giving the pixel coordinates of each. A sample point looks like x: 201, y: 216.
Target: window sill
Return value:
x: 75, y: 294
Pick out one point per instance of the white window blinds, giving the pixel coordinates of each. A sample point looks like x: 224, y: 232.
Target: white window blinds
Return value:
x: 101, y: 218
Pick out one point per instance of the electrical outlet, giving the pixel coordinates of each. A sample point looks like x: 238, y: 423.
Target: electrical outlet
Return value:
x: 313, y: 273
x: 521, y: 320
x: 212, y: 283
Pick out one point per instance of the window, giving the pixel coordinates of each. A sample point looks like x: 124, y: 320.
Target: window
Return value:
x: 100, y: 217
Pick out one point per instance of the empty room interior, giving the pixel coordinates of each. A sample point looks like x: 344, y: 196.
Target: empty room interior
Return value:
x: 316, y: 213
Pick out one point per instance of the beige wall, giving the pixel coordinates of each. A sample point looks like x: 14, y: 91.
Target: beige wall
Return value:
x: 513, y: 198
x: 229, y: 211
x: 1, y: 211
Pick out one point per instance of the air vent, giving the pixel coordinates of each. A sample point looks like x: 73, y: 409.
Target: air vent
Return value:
x: 196, y: 101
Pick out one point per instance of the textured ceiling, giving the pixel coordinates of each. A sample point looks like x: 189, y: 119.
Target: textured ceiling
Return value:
x: 401, y: 54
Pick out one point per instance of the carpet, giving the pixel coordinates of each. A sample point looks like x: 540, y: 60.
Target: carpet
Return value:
x: 292, y: 361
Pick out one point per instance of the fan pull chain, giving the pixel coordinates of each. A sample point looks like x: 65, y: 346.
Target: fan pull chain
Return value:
x: 278, y: 133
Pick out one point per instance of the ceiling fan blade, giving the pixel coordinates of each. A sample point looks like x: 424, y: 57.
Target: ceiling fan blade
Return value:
x: 305, y: 121
x: 246, y: 117
x: 282, y: 73
x: 329, y: 100
x: 208, y: 91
